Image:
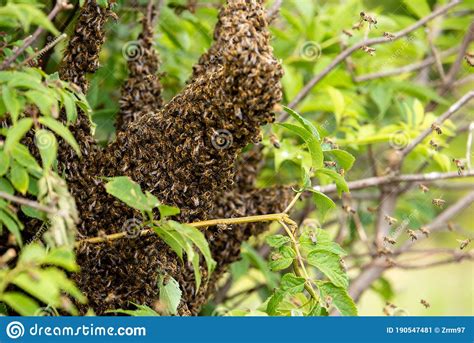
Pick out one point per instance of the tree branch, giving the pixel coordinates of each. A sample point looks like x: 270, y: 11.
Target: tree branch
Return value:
x: 369, y: 42
x: 388, y: 179
x: 441, y: 119
x: 27, y: 202
x: 60, y: 5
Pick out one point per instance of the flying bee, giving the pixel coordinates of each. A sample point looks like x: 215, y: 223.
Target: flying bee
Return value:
x: 368, y: 49
x: 358, y: 25
x: 425, y: 303
x: 348, y: 209
x: 423, y: 188
x: 412, y: 235
x: 437, y: 128
x: 347, y: 33
x: 329, y: 163
x: 389, y: 240
x: 390, y: 220
x: 372, y: 209
x: 425, y: 231
x: 464, y: 243
x: 451, y: 226
x: 343, y: 264
x: 438, y: 202
x: 368, y: 18
x: 469, y: 57
x: 341, y: 172
x: 327, y: 301
x: 276, y: 256
x: 388, y: 35
x: 275, y: 142
x: 434, y: 144
x: 460, y: 165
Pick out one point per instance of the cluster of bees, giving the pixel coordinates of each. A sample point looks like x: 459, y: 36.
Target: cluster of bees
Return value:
x: 168, y: 150
x: 141, y: 92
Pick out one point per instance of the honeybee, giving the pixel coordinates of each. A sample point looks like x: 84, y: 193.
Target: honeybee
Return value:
x: 464, y: 243
x: 329, y: 163
x: 469, y: 57
x: 459, y: 164
x: 347, y: 33
x: 425, y: 303
x: 438, y: 202
x: 434, y: 144
x: 275, y: 142
x: 348, y: 209
x: 368, y: 49
x: 423, y: 188
x: 425, y: 231
x: 412, y: 235
x: 437, y: 128
x: 390, y: 220
x: 389, y: 240
x: 388, y: 35
x: 368, y: 18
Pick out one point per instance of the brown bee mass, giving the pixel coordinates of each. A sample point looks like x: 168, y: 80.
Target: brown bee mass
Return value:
x: 185, y: 154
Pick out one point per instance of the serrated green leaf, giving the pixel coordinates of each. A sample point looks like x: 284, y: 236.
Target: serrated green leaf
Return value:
x: 329, y: 264
x: 24, y: 305
x: 129, y: 192
x: 344, y: 159
x: 19, y: 178
x: 4, y: 163
x: 48, y: 147
x: 304, y: 122
x: 16, y: 133
x: 314, y: 146
x: 340, y: 298
x: 323, y: 203
x: 170, y: 294
x: 290, y: 284
x: 61, y: 131
x: 276, y: 241
x: 337, y: 178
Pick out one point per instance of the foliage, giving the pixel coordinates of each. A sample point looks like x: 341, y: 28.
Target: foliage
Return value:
x: 336, y: 132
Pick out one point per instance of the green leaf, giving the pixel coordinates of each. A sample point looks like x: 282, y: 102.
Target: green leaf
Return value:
x: 33, y: 213
x: 70, y: 106
x: 46, y: 103
x: 12, y: 226
x: 197, y: 237
x: 170, y: 294
x: 22, y: 155
x: 304, y: 122
x: 19, y: 178
x: 383, y: 287
x: 290, y: 284
x: 418, y: 7
x: 61, y: 257
x: 284, y: 258
x: 340, y: 298
x: 16, y: 133
x: 12, y: 105
x: 168, y: 211
x: 337, y: 178
x: 314, y: 146
x: 4, y: 163
x: 129, y: 192
x: 24, y: 305
x: 62, y: 131
x: 329, y: 264
x: 47, y: 146
x: 276, y: 241
x: 344, y: 159
x: 323, y: 203
x: 319, y: 240
x: 172, y: 238
x: 338, y: 103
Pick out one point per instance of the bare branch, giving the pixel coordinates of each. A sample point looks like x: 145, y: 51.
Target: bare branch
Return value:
x: 273, y: 11
x: 375, y: 269
x: 369, y: 42
x: 441, y: 119
x: 388, y: 179
x: 408, y: 68
x: 27, y: 202
x: 60, y: 5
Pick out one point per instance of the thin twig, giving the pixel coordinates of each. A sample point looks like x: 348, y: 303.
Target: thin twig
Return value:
x: 40, y: 53
x: 440, y: 120
x: 406, y: 69
x: 60, y: 5
x: 369, y: 42
x: 27, y: 202
x: 388, y: 179
x: 273, y: 11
